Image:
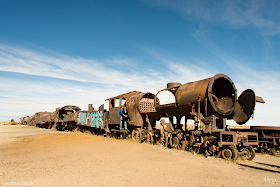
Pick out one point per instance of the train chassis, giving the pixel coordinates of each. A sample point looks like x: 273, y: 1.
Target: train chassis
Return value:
x: 226, y: 144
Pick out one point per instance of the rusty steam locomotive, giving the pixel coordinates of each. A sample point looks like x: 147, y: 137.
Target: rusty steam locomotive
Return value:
x: 209, y: 103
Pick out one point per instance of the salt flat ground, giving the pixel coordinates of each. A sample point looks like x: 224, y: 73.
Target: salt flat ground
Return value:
x: 44, y: 157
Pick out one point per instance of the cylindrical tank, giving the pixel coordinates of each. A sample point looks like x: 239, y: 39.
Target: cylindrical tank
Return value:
x: 219, y: 92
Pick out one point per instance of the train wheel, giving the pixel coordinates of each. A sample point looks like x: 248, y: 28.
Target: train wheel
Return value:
x: 166, y: 137
x: 184, y: 144
x: 250, y: 153
x: 113, y: 134
x: 196, y: 150
x: 275, y: 151
x: 209, y: 146
x: 162, y: 139
x: 128, y: 136
x: 218, y: 155
x: 190, y: 149
x: 175, y: 142
x: 136, y: 135
x: 159, y: 138
x: 150, y: 138
x: 120, y: 135
x: 229, y: 152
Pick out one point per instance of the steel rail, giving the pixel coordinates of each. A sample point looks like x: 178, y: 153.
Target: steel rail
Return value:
x: 260, y: 168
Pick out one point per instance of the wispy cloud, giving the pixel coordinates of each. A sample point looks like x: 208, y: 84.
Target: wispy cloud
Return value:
x: 20, y: 60
x: 263, y: 15
x: 68, y: 80
x: 80, y: 81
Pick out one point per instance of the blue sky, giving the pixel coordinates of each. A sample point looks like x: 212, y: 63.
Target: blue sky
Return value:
x: 54, y: 53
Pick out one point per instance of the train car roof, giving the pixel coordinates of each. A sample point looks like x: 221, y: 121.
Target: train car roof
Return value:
x: 125, y: 95
x: 265, y: 128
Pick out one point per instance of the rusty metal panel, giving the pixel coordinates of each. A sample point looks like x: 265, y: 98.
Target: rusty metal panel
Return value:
x: 236, y: 138
x: 70, y: 117
x: 114, y: 116
x: 41, y: 117
x: 259, y: 99
x: 247, y: 138
x: 244, y: 107
x: 90, y: 118
x: 227, y: 138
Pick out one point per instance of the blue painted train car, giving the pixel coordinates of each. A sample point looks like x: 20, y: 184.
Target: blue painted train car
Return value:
x: 92, y: 118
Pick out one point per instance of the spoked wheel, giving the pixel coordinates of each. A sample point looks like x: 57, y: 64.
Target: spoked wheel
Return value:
x: 113, y: 134
x: 229, y: 152
x: 218, y: 155
x: 150, y: 138
x: 166, y: 138
x: 185, y: 143
x: 190, y: 149
x: 161, y: 139
x: 175, y: 142
x: 136, y: 135
x: 210, y: 146
x: 120, y: 135
x: 157, y: 138
x: 276, y: 152
x: 128, y: 136
x: 250, y: 155
x: 196, y: 150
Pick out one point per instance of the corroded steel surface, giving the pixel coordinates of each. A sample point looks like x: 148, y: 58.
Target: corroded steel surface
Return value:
x: 138, y: 105
x: 63, y: 112
x: 213, y: 96
x: 219, y: 90
x: 41, y: 117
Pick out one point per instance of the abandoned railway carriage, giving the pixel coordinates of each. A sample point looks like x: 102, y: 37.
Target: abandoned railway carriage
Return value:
x: 209, y: 103
x: 268, y: 137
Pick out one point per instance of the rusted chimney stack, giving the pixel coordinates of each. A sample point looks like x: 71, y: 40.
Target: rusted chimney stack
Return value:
x: 90, y: 108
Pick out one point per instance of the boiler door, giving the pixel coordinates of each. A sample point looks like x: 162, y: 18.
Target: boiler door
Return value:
x: 244, y: 107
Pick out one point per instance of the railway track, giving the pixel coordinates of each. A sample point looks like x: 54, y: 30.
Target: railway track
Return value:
x: 262, y: 166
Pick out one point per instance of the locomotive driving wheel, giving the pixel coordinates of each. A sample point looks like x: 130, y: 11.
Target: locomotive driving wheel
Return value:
x: 276, y: 152
x: 164, y: 139
x: 210, y: 146
x: 136, y: 135
x: 229, y: 152
x: 149, y: 138
x: 157, y: 138
x: 175, y: 142
x: 250, y: 155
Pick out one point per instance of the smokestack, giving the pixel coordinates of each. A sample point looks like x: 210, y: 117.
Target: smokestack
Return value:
x: 90, y: 108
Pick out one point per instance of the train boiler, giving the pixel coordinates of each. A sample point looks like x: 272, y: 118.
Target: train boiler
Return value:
x: 210, y: 103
